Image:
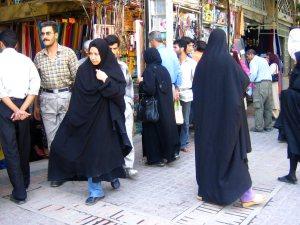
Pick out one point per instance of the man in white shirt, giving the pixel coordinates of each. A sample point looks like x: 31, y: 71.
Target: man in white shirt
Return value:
x: 19, y: 84
x: 85, y: 51
x: 114, y: 44
x: 261, y: 76
x: 188, y: 67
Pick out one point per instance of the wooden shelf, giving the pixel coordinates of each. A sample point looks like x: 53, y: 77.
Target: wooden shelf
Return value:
x: 40, y: 8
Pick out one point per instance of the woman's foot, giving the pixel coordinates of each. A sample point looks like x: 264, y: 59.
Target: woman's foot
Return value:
x: 288, y: 179
x: 93, y: 200
x: 257, y: 200
x: 199, y: 198
x: 115, y: 183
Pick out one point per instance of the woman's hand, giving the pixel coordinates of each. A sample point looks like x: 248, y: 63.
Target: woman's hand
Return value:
x: 139, y: 79
x: 101, y: 75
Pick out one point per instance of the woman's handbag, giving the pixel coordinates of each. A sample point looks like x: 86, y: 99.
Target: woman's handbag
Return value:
x: 147, y: 110
x: 178, y: 112
x: 275, y: 77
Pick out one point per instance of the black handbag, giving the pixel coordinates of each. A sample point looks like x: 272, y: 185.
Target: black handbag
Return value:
x: 147, y: 110
x: 275, y: 77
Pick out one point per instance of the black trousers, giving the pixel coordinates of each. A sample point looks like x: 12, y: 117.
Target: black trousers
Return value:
x: 15, y: 141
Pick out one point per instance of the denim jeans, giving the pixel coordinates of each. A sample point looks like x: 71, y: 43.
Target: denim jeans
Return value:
x: 184, y: 133
x: 95, y: 189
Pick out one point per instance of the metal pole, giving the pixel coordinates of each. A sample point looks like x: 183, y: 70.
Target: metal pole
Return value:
x: 228, y: 22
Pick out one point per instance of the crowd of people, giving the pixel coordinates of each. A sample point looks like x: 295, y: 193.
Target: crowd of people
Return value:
x: 86, y: 108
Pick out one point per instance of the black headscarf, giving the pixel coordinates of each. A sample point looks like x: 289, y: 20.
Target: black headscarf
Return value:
x: 221, y: 136
x: 152, y: 56
x: 109, y: 63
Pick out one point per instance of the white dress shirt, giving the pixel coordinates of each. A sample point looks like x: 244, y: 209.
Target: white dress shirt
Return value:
x: 294, y: 42
x: 18, y: 75
x: 188, y: 67
x: 259, y: 70
x: 274, y: 68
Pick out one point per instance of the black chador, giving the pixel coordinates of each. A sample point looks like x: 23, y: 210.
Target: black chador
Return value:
x: 222, y: 138
x: 91, y: 140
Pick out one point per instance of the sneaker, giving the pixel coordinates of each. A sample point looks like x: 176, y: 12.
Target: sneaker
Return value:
x: 93, y: 200
x: 258, y: 199
x: 115, y: 183
x: 268, y: 129
x: 130, y: 173
x: 256, y: 130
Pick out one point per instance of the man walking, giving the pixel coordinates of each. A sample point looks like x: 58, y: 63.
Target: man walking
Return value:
x: 261, y: 76
x: 114, y: 44
x: 85, y: 51
x: 19, y: 84
x: 188, y: 67
x: 169, y: 60
x: 57, y: 66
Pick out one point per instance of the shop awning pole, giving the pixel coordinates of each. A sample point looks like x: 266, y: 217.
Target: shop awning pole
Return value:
x: 228, y: 22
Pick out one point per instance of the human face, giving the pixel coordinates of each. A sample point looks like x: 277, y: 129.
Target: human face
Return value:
x: 177, y: 49
x: 249, y: 57
x: 2, y: 46
x: 94, y: 56
x: 49, y: 37
x: 190, y: 48
x: 115, y: 49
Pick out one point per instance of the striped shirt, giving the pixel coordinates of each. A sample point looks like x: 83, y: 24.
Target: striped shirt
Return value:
x: 59, y: 72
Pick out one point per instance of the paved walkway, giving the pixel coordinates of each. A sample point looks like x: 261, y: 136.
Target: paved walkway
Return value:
x: 159, y: 196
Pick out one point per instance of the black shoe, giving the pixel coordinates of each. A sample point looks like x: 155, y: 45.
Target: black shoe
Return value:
x: 56, y: 183
x: 159, y: 164
x: 281, y: 138
x: 115, y: 183
x: 288, y: 179
x: 93, y: 200
x: 177, y: 156
x: 268, y: 129
x: 256, y: 130
x: 18, y: 202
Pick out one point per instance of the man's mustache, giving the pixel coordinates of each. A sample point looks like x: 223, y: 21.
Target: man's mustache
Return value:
x: 46, y: 40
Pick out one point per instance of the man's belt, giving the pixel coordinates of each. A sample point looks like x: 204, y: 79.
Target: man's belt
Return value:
x: 263, y: 81
x: 55, y: 91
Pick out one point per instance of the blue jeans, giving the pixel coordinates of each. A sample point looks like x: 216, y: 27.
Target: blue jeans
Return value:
x: 184, y: 133
x: 95, y: 189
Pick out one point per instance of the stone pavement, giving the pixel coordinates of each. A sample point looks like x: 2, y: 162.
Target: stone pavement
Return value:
x: 159, y: 196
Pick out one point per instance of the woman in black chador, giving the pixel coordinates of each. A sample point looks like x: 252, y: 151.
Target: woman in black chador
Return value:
x: 289, y: 121
x: 222, y: 138
x: 160, y: 140
x: 91, y: 141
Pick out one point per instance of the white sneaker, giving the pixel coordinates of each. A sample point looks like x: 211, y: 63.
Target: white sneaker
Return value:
x: 131, y: 172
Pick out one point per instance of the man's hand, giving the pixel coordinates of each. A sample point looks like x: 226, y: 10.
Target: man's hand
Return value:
x: 19, y: 115
x: 176, y: 95
x: 37, y: 113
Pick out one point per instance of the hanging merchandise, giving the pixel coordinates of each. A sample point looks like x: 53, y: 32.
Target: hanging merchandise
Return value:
x: 215, y: 16
x: 239, y: 23
x: 186, y: 25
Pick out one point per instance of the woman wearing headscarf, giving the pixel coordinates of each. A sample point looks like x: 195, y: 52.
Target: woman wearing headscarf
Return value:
x: 91, y: 141
x: 222, y: 138
x: 160, y: 139
x: 290, y: 121
x: 275, y: 71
